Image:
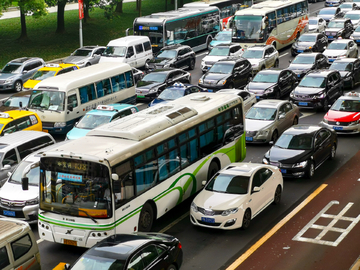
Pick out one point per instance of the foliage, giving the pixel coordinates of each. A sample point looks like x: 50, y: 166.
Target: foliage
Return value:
x: 35, y: 8
x: 4, y: 4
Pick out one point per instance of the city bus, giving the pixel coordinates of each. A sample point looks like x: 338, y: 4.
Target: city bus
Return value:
x: 227, y: 7
x: 124, y: 175
x: 195, y: 27
x: 60, y: 101
x: 278, y: 23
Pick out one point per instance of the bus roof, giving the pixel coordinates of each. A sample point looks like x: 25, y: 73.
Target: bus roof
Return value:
x: 266, y: 6
x: 76, y: 78
x: 133, y: 133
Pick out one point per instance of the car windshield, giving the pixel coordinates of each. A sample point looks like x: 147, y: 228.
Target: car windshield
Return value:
x: 343, y: 66
x: 345, y: 5
x: 171, y: 94
x: 333, y: 24
x: 307, y: 38
x: 115, y: 51
x: 220, y: 51
x: 90, y: 121
x: 327, y: 12
x: 11, y: 68
x: 346, y: 105
x: 223, y: 36
x: 253, y: 54
x: 82, y: 52
x: 43, y: 74
x: 337, y: 46
x: 47, y: 100
x: 260, y: 113
x: 33, y: 174
x: 352, y: 16
x: 295, y: 142
x: 221, y: 68
x: 15, y: 101
x: 313, y: 22
x: 357, y: 29
x: 94, y: 262
x: 301, y: 59
x: 266, y: 78
x: 314, y: 82
x: 168, y: 54
x: 155, y: 77
x: 225, y: 183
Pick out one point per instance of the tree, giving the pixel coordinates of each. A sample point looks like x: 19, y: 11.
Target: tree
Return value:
x: 4, y: 4
x: 88, y: 6
x: 35, y: 8
x: 60, y: 26
x: 111, y: 9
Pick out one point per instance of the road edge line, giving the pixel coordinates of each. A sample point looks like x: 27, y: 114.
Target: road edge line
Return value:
x: 270, y: 233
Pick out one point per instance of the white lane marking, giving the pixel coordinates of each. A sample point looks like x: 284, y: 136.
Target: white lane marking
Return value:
x: 307, y: 114
x: 174, y: 222
x: 201, y: 54
x: 283, y: 55
x: 39, y: 241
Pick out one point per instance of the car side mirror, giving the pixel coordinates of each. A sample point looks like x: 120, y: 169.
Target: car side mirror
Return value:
x: 256, y: 189
x: 6, y: 167
x: 282, y: 116
x: 25, y: 71
x: 25, y: 183
x: 203, y: 183
x: 267, y: 56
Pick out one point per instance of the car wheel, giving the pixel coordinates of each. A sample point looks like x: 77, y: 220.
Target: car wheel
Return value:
x: 277, y: 195
x: 18, y: 86
x: 146, y: 219
x: 208, y: 43
x: 326, y: 105
x: 88, y: 64
x: 246, y: 219
x: 296, y: 121
x: 333, y: 152
x: 274, y: 136
x: 311, y: 170
x: 172, y: 267
x: 213, y: 169
x: 191, y: 64
x: 276, y: 63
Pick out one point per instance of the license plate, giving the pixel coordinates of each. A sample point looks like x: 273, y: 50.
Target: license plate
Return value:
x: 358, y: 40
x: 208, y: 68
x: 303, y: 103
x: 330, y: 36
x: 141, y: 96
x: 9, y: 213
x: 331, y: 60
x: 257, y: 97
x: 70, y: 242
x: 208, y: 220
x: 298, y: 75
x: 250, y: 139
x: 300, y: 51
x: 338, y: 128
x: 330, y: 5
x: 283, y: 170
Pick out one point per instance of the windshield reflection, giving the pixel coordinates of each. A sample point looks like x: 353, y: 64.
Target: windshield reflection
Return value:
x: 224, y: 183
x: 296, y: 142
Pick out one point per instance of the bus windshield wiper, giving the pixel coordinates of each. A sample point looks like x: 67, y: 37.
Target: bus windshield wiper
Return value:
x: 81, y: 210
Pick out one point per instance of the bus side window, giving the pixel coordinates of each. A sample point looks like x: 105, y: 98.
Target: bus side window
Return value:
x: 146, y: 171
x: 100, y: 89
x: 124, y: 187
x: 87, y: 93
x: 129, y: 79
x: 72, y: 100
x: 118, y: 82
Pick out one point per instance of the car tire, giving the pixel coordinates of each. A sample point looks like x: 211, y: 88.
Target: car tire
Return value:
x: 326, y: 105
x: 246, y: 219
x: 213, y: 169
x: 276, y: 64
x: 311, y: 170
x: 88, y: 64
x: 146, y: 218
x: 296, y: 121
x: 208, y: 43
x: 18, y: 86
x: 274, y: 136
x: 191, y: 64
x: 333, y: 152
x: 172, y: 267
x: 277, y: 195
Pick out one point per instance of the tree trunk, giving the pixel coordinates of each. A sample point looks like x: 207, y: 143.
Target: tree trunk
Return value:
x: 165, y: 5
x: 119, y: 7
x: 23, y: 34
x: 181, y: 3
x: 139, y: 8
x: 86, y: 12
x: 137, y: 4
x: 61, y: 17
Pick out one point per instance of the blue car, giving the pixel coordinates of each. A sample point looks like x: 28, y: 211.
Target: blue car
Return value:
x: 101, y: 115
x: 175, y: 91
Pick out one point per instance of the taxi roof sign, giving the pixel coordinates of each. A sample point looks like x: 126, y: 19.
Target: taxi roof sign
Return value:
x: 105, y: 108
x: 4, y: 115
x: 352, y: 94
x: 178, y: 84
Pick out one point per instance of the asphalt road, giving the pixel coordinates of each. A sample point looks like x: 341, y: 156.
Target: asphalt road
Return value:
x: 213, y: 249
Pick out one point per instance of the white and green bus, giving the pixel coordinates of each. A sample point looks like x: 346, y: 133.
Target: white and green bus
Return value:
x: 60, y: 101
x: 277, y: 23
x: 122, y: 176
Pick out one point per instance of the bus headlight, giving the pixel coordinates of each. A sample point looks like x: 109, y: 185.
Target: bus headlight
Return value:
x: 60, y: 124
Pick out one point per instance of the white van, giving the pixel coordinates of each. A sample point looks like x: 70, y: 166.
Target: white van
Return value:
x: 18, y: 247
x: 134, y: 50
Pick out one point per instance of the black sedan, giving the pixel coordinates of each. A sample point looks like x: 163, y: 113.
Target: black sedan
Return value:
x: 305, y: 62
x: 312, y: 42
x: 349, y: 69
x: 272, y: 83
x: 339, y: 28
x: 301, y: 149
x: 155, y: 82
x: 150, y: 251
x: 231, y: 72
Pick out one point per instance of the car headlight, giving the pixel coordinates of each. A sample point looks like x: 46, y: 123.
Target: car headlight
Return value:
x: 269, y: 90
x: 194, y: 207
x: 201, y: 80
x: 325, y: 120
x: 300, y: 164
x: 292, y: 94
x: 9, y: 80
x: 60, y: 124
x: 354, y: 123
x: 167, y: 65
x: 81, y: 63
x: 265, y: 161
x: 319, y: 95
x: 152, y: 90
x: 342, y: 56
x: 222, y: 81
x: 33, y: 201
x: 263, y: 132
x: 229, y: 211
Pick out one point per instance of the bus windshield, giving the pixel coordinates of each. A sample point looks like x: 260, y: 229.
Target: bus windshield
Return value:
x: 75, y: 188
x: 247, y: 27
x: 47, y: 100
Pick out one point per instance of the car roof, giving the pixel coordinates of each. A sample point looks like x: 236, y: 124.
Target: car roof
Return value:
x: 242, y: 168
x: 56, y: 67
x: 258, y: 47
x: 321, y: 72
x: 20, y: 137
x: 116, y: 108
x: 345, y: 60
x: 270, y: 71
x: 342, y: 40
x: 311, y: 34
x: 328, y: 8
x: 270, y: 103
x: 353, y: 11
x: 92, y: 47
x: 22, y: 60
x: 302, y: 129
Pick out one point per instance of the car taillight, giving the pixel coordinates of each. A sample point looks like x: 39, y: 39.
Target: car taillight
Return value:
x: 179, y: 246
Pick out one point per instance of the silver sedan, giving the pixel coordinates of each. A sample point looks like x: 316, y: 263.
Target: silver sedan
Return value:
x: 268, y: 119
x: 248, y: 98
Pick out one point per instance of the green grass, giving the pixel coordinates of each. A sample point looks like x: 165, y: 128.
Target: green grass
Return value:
x: 45, y: 43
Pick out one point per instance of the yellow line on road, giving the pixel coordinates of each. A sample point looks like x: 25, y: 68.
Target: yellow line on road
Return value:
x: 270, y: 233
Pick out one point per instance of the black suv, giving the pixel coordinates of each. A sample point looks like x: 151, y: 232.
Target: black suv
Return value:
x: 318, y: 89
x: 231, y: 72
x: 339, y: 28
x: 311, y: 42
x: 174, y: 56
x: 272, y: 83
x: 349, y: 69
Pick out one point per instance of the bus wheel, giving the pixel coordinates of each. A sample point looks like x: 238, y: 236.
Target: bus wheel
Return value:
x: 213, y: 169
x: 146, y: 219
x: 208, y: 43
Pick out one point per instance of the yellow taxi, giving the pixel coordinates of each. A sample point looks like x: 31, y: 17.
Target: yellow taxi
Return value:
x: 16, y: 120
x: 48, y: 71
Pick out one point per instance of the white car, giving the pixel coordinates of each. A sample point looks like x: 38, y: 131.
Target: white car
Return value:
x: 248, y: 97
x: 235, y: 195
x: 262, y: 56
x: 341, y: 48
x: 316, y: 24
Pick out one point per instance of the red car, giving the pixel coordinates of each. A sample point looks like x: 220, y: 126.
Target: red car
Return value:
x: 344, y: 115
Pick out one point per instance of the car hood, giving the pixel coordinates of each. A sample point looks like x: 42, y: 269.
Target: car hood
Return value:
x: 74, y: 59
x: 306, y: 45
x: 146, y: 85
x: 162, y: 61
x: 4, y: 76
x: 332, y: 29
x: 14, y: 192
x: 356, y: 34
x: 342, y: 116
x: 75, y: 133
x: 253, y: 86
x: 215, y: 76
x: 312, y: 27
x: 30, y: 84
x: 254, y: 61
x: 344, y: 73
x: 294, y: 67
x: 218, y: 201
x: 213, y: 58
x: 330, y: 53
x: 307, y: 90
x: 256, y: 125
x: 288, y: 156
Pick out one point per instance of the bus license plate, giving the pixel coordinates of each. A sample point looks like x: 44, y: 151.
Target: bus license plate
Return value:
x: 208, y: 220
x: 283, y: 170
x: 250, y: 139
x: 303, y: 103
x: 70, y: 242
x: 9, y: 213
x: 338, y: 128
x: 300, y: 51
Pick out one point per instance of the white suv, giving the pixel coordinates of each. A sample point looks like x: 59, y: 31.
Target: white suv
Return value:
x: 262, y: 56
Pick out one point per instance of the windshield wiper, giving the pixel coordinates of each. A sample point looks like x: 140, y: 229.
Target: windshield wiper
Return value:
x: 81, y: 210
